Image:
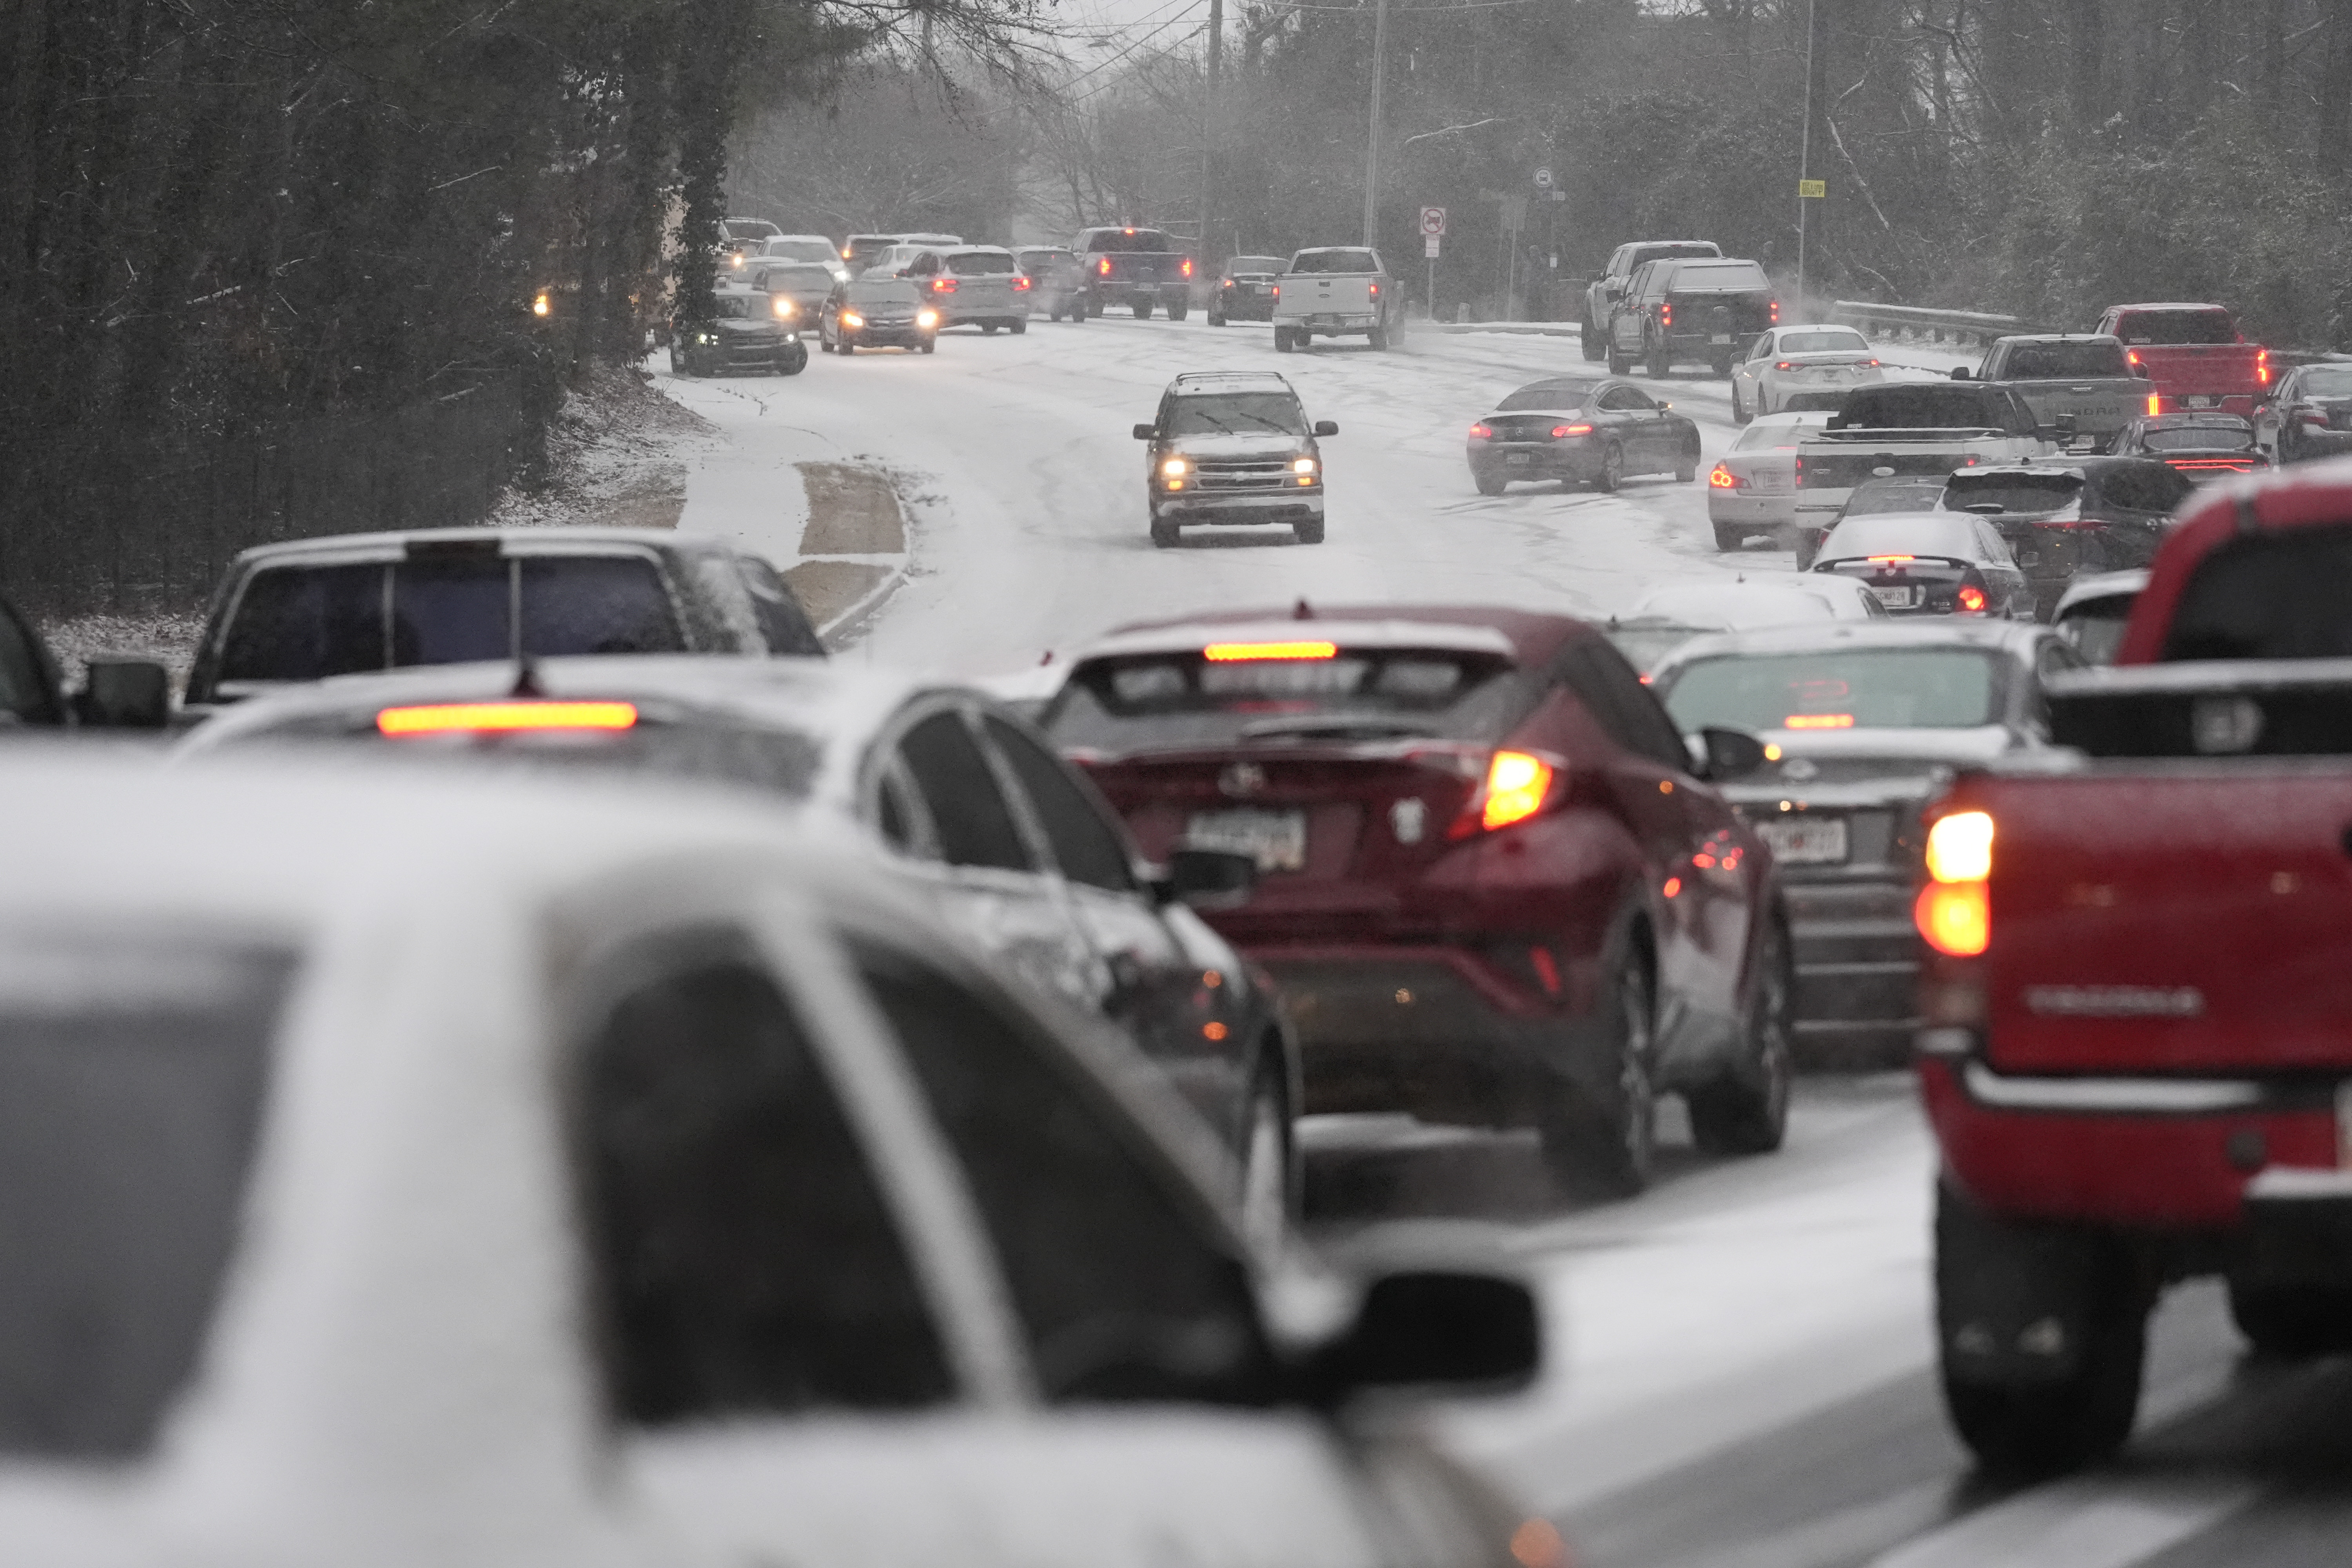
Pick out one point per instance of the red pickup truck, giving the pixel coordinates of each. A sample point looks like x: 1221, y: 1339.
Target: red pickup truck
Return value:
x: 2193, y: 356
x: 2136, y: 1048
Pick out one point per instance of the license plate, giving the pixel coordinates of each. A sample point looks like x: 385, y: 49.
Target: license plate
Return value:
x: 1720, y: 338
x: 2201, y: 402
x: 1896, y: 598
x: 1802, y: 842
x: 1326, y: 321
x: 1276, y: 839
x: 1519, y: 460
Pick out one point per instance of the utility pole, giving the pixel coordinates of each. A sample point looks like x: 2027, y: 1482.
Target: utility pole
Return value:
x: 1209, y: 122
x: 1373, y: 152
x: 1805, y: 156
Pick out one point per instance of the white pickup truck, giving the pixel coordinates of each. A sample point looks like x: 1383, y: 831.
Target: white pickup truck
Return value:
x: 1330, y: 292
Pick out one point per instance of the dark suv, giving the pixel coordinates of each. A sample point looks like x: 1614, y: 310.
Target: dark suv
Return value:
x: 1245, y: 288
x: 2081, y: 515
x: 1601, y: 295
x: 1705, y: 309
x: 1233, y: 447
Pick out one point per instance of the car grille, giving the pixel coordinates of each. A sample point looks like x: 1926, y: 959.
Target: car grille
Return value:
x: 1256, y: 473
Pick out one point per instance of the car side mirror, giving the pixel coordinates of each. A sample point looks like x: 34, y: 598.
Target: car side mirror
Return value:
x: 1435, y: 1328
x: 1146, y: 432
x: 1327, y: 427
x: 1723, y: 755
x: 1207, y: 879
x: 1962, y: 373
x: 125, y: 694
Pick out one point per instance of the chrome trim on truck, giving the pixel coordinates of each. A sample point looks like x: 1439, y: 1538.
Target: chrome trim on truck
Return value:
x: 2140, y: 1096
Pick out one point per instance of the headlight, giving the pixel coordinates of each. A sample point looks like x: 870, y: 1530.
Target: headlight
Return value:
x: 539, y: 305
x: 1175, y: 467
x: 1303, y: 466
x: 784, y: 308
x: 927, y: 317
x: 852, y: 319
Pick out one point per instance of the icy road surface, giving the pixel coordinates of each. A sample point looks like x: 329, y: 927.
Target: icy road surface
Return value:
x: 1742, y: 1373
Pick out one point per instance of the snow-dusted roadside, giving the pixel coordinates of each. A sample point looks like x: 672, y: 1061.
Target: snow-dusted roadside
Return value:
x: 617, y: 456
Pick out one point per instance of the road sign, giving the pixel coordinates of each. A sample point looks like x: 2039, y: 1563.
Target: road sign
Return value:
x: 1432, y: 221
x: 1812, y: 190
x: 1429, y: 245
x: 1543, y: 179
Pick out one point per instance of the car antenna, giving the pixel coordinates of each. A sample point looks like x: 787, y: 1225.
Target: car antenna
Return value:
x: 526, y: 682
x: 1304, y: 611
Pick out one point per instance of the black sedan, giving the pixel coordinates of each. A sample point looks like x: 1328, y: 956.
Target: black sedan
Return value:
x: 1930, y: 564
x: 1011, y: 844
x: 1900, y: 492
x: 1245, y: 289
x: 2310, y: 414
x: 876, y: 314
x: 744, y: 334
x: 1580, y: 432
x: 2066, y: 516
x: 2201, y: 446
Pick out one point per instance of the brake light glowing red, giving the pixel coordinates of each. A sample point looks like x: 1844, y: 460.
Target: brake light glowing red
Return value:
x: 2262, y: 366
x: 1892, y: 560
x: 1482, y: 432
x: 1375, y: 290
x: 2131, y: 357
x: 1103, y: 265
x: 1954, y: 911
x: 1723, y: 479
x: 1019, y: 283
x: 459, y: 717
x: 1818, y: 721
x: 1517, y: 784
x: 1775, y: 312
x: 2154, y: 405
x: 1246, y: 652
x: 1666, y: 313
x: 1188, y: 266
x: 1571, y: 430
x: 1972, y: 600
x: 1785, y: 365
x: 943, y: 285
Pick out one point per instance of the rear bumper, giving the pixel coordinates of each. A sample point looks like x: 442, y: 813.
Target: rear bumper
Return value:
x: 971, y: 315
x: 1572, y: 457
x: 1332, y: 321
x: 2237, y: 1159
x: 1238, y: 307
x: 1701, y: 347
x: 1771, y: 509
x: 1433, y: 1030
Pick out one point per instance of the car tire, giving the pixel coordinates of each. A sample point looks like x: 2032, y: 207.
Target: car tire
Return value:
x: 1378, y: 337
x: 1018, y: 326
x: 1488, y: 484
x: 1687, y: 470
x: 988, y: 329
x: 1178, y: 312
x: 2031, y: 1430
x: 930, y: 344
x: 1619, y: 364
x: 1730, y: 536
x: 1656, y: 362
x: 1739, y: 412
x: 1142, y: 309
x: 2289, y: 1322
x: 1612, y: 474
x: 1267, y: 1201
x: 1596, y: 347
x: 1606, y: 1148
x: 1215, y: 320
x: 1166, y: 535
x: 1282, y: 343
x: 1307, y: 530
x: 1053, y: 315
x: 1746, y: 1111
x: 798, y: 362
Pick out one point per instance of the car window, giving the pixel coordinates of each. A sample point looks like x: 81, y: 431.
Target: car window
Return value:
x: 784, y: 624
x: 2268, y: 595
x: 306, y: 623
x: 2161, y: 327
x: 1334, y: 261
x: 25, y: 688
x: 2324, y: 380
x: 2223, y: 434
x: 967, y: 812
x: 133, y: 1076
x: 1833, y: 341
x: 2055, y: 362
x: 2012, y: 490
x: 980, y: 264
x: 1254, y: 264
x: 1776, y: 436
x: 591, y: 604
x: 1599, y: 675
x: 1719, y: 275
x: 1842, y: 688
x: 1122, y: 241
x: 816, y: 249
x: 743, y: 1258
x: 873, y: 291
x: 1085, y: 846
x: 1125, y: 1292
x: 1994, y: 547
x: 1625, y: 398
x: 1547, y: 395
x: 1236, y: 414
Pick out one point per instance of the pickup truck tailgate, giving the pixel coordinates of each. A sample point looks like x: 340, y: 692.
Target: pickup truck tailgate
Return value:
x: 2188, y: 916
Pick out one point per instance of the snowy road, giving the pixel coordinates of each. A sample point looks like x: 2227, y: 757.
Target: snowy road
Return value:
x: 1743, y: 1368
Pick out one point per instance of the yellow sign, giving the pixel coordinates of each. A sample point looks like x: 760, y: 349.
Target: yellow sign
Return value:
x: 1813, y: 190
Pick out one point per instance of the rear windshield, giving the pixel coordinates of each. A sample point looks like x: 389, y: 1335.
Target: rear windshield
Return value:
x: 1719, y: 275
x: 2058, y: 362
x: 1848, y: 689
x: 1821, y: 342
x: 1312, y: 261
x: 801, y: 250
x: 2176, y: 327
x: 1776, y: 436
x: 2218, y: 435
x: 882, y: 291
x: 132, y: 1077
x: 1131, y: 240
x: 1548, y: 394
x: 2327, y: 381
x: 1925, y: 407
x: 1238, y: 414
x: 2268, y: 595
x: 306, y: 623
x: 1998, y: 492
x: 1876, y: 498
x: 1915, y: 533
x: 980, y: 264
x: 1241, y: 264
x: 1812, y: 403
x: 1171, y: 701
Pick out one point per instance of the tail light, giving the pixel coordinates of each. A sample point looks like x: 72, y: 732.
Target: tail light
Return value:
x: 1723, y: 479
x: 1277, y: 290
x: 1971, y: 599
x: 1954, y: 910
x: 1019, y: 283
x: 1187, y: 267
x: 487, y: 718
x: 2131, y: 357
x: 1517, y: 786
x: 2154, y: 405
x: 943, y: 285
x: 1666, y: 313
x: 1775, y: 312
x: 1103, y: 265
x: 1892, y: 560
x: 1227, y: 284
x: 1482, y: 432
x: 1558, y: 430
x: 2262, y: 366
x: 1375, y: 290
x: 1785, y: 365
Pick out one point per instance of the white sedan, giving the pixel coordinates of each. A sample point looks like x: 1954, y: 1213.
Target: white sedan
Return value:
x: 1808, y: 364
x: 408, y: 1171
x: 1753, y: 488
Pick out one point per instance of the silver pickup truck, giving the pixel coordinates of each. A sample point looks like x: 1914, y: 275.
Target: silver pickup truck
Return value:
x: 2085, y: 377
x: 1331, y: 291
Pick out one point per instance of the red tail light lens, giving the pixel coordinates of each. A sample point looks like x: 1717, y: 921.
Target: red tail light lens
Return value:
x: 1723, y: 479
x: 1667, y: 314
x: 1972, y: 600
x: 943, y: 285
x: 1571, y: 430
x: 1517, y: 785
x: 2154, y: 405
x: 1103, y: 265
x: 1375, y: 290
x: 1019, y: 284
x: 1892, y: 560
x: 1188, y: 266
x: 484, y: 717
x: 1775, y: 312
x: 2262, y: 366
x: 1482, y: 432
x: 1785, y: 365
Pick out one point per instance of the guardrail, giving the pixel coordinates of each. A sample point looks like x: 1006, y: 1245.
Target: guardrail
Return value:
x: 1910, y: 323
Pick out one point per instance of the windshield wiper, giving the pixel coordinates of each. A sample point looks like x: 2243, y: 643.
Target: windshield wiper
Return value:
x: 1274, y: 728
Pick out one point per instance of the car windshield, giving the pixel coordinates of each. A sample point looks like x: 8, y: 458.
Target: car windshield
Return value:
x: 1996, y: 491
x: 1845, y: 688
x: 751, y: 228
x: 1238, y: 414
x: 1256, y: 264
x: 2177, y: 327
x: 800, y: 280
x: 1913, y: 533
x: 2327, y: 381
x: 1117, y: 241
x: 980, y: 264
x: 1873, y: 497
x: 1836, y: 342
x: 734, y: 308
x: 1717, y: 275
x: 2205, y: 436
x: 1308, y: 262
x: 1560, y: 394
x: 808, y: 249
x: 873, y: 291
x: 1167, y: 701
x: 2286, y: 594
x: 306, y: 623
x: 2058, y: 362
x: 133, y: 1076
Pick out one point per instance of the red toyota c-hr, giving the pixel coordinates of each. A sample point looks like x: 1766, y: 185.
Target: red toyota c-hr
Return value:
x: 1493, y: 884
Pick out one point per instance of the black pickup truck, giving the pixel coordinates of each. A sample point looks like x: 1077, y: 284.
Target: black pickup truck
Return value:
x: 1707, y: 309
x: 1140, y: 268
